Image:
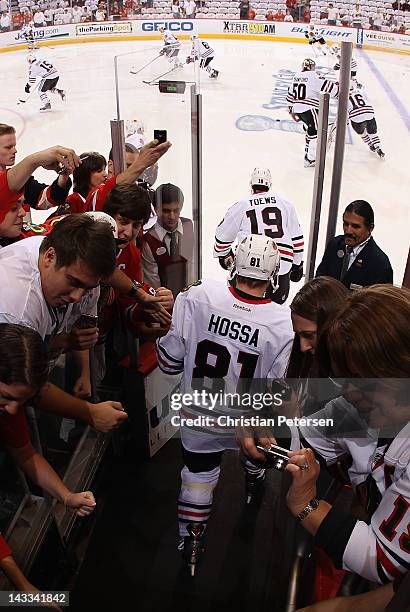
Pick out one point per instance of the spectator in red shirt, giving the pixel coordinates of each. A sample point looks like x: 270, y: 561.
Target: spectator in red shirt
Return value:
x: 23, y: 372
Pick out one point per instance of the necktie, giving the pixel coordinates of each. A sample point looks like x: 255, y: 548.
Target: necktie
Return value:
x: 345, y: 263
x: 173, y: 246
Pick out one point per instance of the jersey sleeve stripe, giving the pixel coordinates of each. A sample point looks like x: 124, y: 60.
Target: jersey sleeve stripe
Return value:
x: 297, y: 237
x: 167, y: 356
x: 385, y: 567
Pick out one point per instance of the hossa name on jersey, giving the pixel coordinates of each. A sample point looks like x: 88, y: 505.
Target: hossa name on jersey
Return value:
x: 235, y: 330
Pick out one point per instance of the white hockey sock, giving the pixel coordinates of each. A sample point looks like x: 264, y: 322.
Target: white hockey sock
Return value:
x: 43, y: 97
x: 195, y: 498
x: 374, y: 141
x: 312, y: 148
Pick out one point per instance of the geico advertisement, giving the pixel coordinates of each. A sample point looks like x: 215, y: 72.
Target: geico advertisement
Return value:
x: 171, y: 26
x: 258, y: 28
x: 110, y: 27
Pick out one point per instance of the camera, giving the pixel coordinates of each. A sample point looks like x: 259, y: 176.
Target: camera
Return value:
x: 160, y: 135
x: 276, y: 457
x: 86, y: 322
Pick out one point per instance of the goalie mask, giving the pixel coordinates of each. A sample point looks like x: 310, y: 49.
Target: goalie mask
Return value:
x: 308, y: 64
x: 261, y: 177
x: 257, y: 257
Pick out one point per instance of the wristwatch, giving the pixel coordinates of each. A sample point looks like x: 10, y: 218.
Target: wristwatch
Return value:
x: 312, y: 505
x: 134, y: 289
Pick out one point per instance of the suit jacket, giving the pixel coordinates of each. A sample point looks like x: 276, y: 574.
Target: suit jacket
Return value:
x: 371, y: 266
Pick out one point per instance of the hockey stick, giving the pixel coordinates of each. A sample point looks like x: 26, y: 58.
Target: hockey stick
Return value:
x: 30, y: 95
x: 154, y: 81
x: 331, y: 134
x: 133, y: 71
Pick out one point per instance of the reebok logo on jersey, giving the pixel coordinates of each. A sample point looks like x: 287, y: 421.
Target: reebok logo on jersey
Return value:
x: 233, y: 330
x: 241, y: 307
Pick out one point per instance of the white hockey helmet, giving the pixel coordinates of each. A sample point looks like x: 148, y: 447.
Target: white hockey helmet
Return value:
x: 134, y: 126
x: 104, y: 218
x: 308, y: 64
x: 261, y: 177
x: 257, y: 257
x: 161, y: 29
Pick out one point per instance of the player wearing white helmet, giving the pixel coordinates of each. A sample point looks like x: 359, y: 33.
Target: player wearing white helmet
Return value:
x: 353, y: 63
x: 303, y: 100
x: 265, y: 213
x: 171, y: 48
x: 49, y: 77
x: 315, y: 38
x: 202, y: 51
x: 229, y: 335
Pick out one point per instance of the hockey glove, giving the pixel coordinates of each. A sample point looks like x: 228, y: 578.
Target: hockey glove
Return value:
x: 296, y: 273
x: 162, y: 52
x: 189, y: 59
x: 227, y: 261
x: 27, y: 88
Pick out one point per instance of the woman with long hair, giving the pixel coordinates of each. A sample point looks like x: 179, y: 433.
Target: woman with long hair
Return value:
x: 23, y: 372
x: 368, y: 345
x: 88, y: 176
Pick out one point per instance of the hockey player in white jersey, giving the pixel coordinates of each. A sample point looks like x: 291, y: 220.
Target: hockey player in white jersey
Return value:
x: 363, y: 119
x: 226, y: 335
x: 303, y: 100
x: 316, y: 40
x: 202, y: 51
x: 49, y: 77
x: 267, y: 213
x: 27, y: 32
x: 171, y: 48
x: 353, y: 62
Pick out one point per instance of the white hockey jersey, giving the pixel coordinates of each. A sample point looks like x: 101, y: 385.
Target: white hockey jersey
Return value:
x: 353, y: 64
x: 359, y: 108
x: 304, y: 91
x: 263, y: 213
x: 218, y: 333
x: 313, y: 35
x: 202, y: 49
x: 170, y: 39
x: 43, y: 70
x: 380, y: 551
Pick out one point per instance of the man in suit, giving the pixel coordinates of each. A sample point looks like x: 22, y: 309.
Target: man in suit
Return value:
x: 167, y: 253
x: 354, y: 258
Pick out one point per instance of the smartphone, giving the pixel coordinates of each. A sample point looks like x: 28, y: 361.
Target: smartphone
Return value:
x: 276, y: 456
x: 87, y: 322
x: 160, y: 135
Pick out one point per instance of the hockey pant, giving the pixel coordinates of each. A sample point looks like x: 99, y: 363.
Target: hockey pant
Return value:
x: 204, y: 63
x: 319, y: 43
x: 172, y: 54
x: 310, y: 120
x: 45, y: 86
x: 367, y: 130
x: 199, y: 477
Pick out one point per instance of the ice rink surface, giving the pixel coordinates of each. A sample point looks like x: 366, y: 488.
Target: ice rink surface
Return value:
x: 245, y: 124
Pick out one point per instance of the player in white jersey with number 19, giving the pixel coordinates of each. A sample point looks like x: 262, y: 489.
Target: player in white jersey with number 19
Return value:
x: 267, y: 213
x: 303, y: 100
x: 224, y: 338
x: 41, y: 69
x: 203, y: 51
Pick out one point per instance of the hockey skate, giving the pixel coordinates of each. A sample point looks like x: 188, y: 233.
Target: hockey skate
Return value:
x: 61, y: 93
x: 192, y: 545
x: 214, y: 74
x: 254, y: 487
x: 380, y: 153
x: 309, y: 163
x: 46, y: 107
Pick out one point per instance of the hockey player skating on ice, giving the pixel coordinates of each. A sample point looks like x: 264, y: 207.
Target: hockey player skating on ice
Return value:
x: 41, y: 69
x: 27, y: 32
x: 203, y: 51
x: 171, y: 48
x: 316, y: 40
x: 362, y: 118
x: 353, y: 63
x: 203, y: 345
x: 264, y: 212
x: 303, y: 100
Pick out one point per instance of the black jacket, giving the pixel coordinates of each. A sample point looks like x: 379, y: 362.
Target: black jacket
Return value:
x: 370, y: 267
